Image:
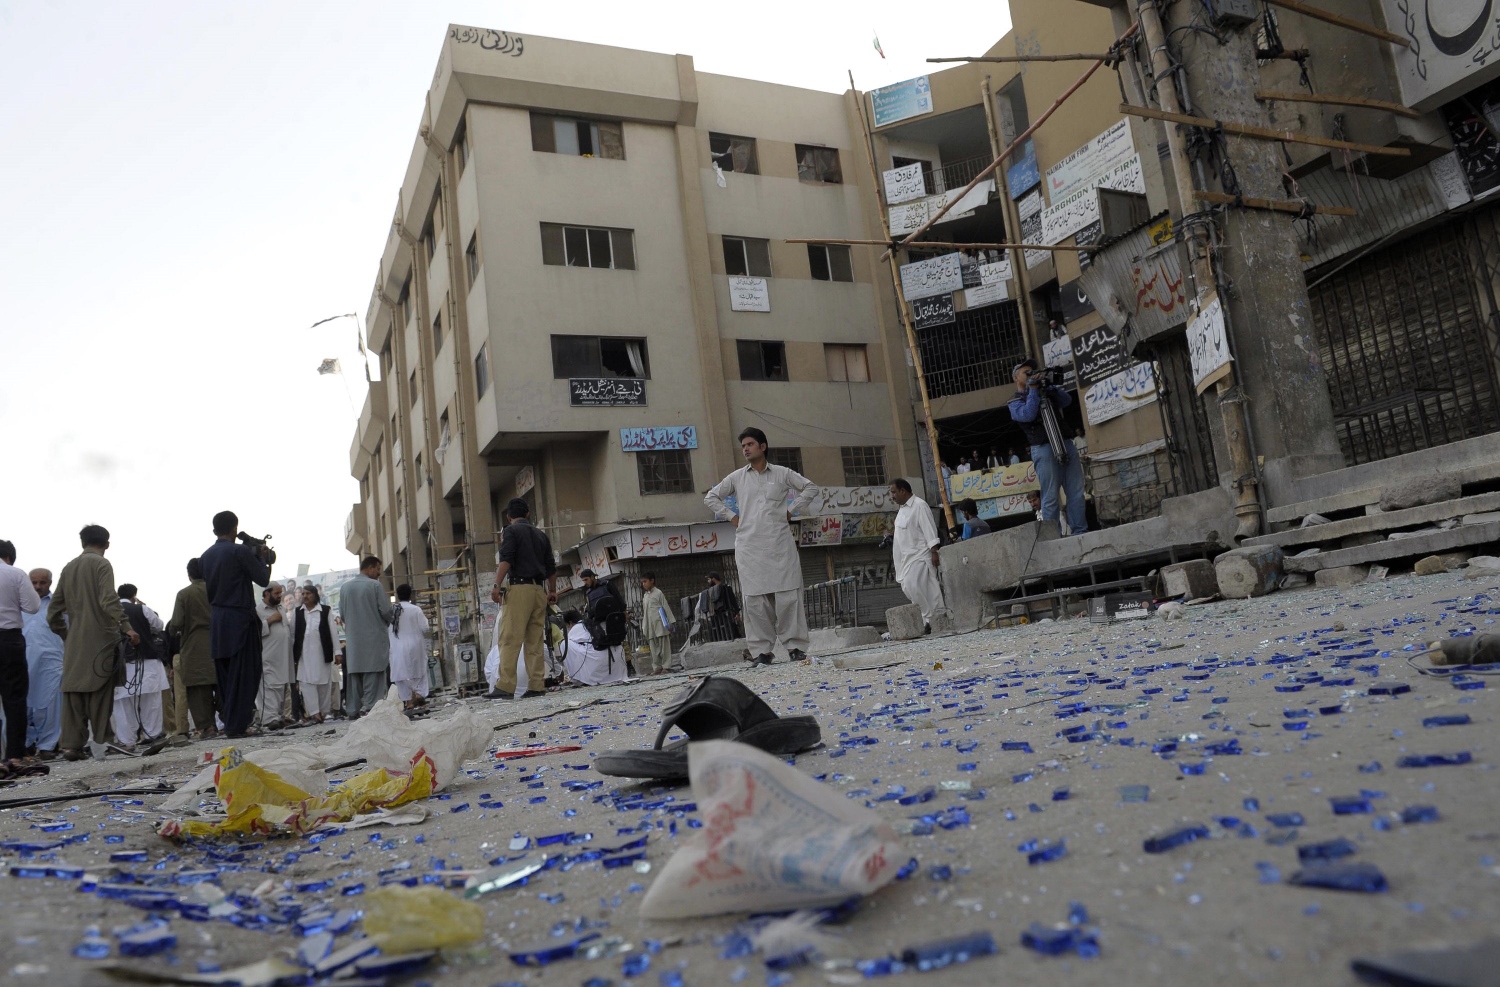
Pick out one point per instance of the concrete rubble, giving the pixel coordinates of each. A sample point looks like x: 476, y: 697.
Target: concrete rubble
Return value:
x: 1152, y: 800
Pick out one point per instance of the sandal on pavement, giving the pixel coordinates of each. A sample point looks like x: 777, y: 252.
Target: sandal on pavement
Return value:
x: 714, y: 708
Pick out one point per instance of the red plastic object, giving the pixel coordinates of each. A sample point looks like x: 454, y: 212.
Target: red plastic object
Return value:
x: 533, y: 752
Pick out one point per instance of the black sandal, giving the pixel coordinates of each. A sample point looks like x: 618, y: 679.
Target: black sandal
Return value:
x: 714, y: 708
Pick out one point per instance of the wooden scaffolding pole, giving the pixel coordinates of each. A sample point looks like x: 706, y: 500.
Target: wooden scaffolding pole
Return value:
x: 1018, y: 270
x: 1373, y: 104
x: 1347, y: 23
x: 941, y: 244
x: 1028, y: 58
x: 1018, y: 142
x: 911, y: 333
x: 1261, y: 133
x: 1274, y: 205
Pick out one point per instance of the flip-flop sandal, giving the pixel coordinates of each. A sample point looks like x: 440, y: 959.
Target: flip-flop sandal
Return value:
x: 715, y: 708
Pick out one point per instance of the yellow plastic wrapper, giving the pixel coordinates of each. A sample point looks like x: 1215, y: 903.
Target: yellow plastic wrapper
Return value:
x: 258, y: 801
x: 404, y: 920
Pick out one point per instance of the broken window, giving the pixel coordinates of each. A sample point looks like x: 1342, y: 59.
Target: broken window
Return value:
x: 734, y: 153
x: 667, y: 471
x: 761, y: 359
x: 864, y: 466
x: 818, y: 164
x: 599, y: 356
x: 788, y: 456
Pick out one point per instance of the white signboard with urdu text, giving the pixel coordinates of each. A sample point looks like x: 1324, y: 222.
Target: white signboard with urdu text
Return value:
x: 904, y: 184
x: 1069, y: 215
x: 1079, y: 170
x: 923, y: 278
x: 998, y: 271
x: 1122, y: 393
x: 1207, y: 345
x: 749, y: 295
x: 986, y: 294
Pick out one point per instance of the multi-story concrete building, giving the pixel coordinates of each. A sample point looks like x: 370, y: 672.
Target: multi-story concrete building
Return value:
x: 586, y: 293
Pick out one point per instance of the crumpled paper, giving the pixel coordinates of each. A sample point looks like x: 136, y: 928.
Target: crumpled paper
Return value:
x: 285, y: 789
x: 772, y: 839
x: 404, y: 920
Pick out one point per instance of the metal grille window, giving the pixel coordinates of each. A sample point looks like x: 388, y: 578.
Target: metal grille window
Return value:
x: 733, y: 153
x: 1406, y: 336
x: 830, y: 263
x: 977, y: 350
x: 761, y: 359
x: 818, y: 164
x: 666, y: 472
x: 747, y: 257
x: 864, y: 466
x: 788, y: 456
x: 588, y: 246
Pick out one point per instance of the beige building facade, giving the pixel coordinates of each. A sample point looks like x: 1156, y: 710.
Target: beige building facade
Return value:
x: 586, y: 293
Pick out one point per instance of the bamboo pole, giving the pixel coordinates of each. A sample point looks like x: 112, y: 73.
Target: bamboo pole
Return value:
x: 1374, y: 104
x: 1018, y: 271
x: 911, y: 333
x: 937, y: 244
x: 1261, y: 133
x: 1020, y: 139
x: 1273, y: 205
x: 1348, y: 23
x: 1028, y: 58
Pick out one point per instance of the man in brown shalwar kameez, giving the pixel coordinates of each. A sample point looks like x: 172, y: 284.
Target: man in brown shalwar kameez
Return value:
x: 86, y: 594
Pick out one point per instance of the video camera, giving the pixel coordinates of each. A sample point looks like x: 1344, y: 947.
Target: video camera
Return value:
x: 260, y: 546
x: 1045, y: 377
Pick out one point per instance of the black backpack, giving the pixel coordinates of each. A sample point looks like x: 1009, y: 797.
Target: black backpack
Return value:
x: 606, y: 621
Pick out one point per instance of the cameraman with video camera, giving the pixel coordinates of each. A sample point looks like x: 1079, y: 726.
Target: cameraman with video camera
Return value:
x: 231, y: 572
x: 1036, y: 404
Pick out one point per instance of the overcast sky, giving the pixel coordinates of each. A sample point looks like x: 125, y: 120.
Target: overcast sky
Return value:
x: 186, y: 187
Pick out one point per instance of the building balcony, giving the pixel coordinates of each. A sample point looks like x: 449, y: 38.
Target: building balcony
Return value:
x: 355, y: 527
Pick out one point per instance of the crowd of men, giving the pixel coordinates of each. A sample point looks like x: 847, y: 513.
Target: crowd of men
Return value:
x: 87, y: 668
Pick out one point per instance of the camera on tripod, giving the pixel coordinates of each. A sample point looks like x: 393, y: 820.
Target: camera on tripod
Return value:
x: 1046, y: 377
x: 260, y: 546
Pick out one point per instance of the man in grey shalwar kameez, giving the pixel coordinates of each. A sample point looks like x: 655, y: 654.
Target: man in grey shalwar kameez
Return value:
x: 765, y: 549
x: 365, y: 607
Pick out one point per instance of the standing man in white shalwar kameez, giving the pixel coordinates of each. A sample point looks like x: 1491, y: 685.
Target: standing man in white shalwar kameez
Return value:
x: 408, y: 651
x: 915, y: 548
x: 313, y: 650
x: 276, y: 675
x: 765, y: 549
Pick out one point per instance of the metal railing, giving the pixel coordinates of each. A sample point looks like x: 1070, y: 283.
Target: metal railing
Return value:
x: 955, y: 174
x: 832, y: 604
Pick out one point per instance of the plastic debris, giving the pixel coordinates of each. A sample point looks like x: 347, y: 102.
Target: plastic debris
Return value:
x: 948, y: 952
x: 403, y: 920
x: 503, y: 876
x: 771, y: 823
x: 1434, y: 760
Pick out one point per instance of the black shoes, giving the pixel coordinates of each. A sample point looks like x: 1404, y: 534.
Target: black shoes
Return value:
x: 497, y: 694
x: 926, y: 629
x: 764, y: 659
x: 796, y: 654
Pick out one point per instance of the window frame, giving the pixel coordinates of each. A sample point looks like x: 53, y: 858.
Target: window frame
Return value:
x: 757, y: 361
x: 598, y: 368
x: 437, y: 334
x: 839, y: 353
x: 824, y: 165
x: 752, y: 160
x: 461, y: 147
x: 558, y: 247
x: 753, y: 255
x: 837, y: 258
x: 601, y: 134
x: 673, y: 468
x: 471, y: 259
x: 481, y: 371
x: 860, y: 463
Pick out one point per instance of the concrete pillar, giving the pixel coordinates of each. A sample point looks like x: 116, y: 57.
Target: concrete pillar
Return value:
x: 1270, y: 320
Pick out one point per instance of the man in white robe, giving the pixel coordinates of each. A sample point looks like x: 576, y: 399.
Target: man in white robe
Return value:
x: 765, y: 549
x: 409, y: 650
x: 313, y: 650
x: 915, y: 550
x: 586, y: 664
x: 274, y: 705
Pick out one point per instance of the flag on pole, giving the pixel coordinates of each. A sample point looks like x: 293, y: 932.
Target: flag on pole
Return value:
x: 329, y: 367
x: 879, y: 49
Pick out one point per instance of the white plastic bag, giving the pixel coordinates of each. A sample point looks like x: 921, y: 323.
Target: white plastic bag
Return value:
x: 385, y: 738
x: 772, y: 839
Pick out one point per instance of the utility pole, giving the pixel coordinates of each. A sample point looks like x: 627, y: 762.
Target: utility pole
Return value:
x: 1289, y: 417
